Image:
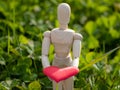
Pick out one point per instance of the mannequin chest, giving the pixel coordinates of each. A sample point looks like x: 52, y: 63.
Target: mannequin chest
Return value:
x: 62, y: 37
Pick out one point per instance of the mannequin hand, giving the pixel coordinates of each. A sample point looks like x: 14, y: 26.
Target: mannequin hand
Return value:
x: 75, y: 62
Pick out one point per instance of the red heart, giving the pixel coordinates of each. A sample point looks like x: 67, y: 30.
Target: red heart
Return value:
x: 59, y: 74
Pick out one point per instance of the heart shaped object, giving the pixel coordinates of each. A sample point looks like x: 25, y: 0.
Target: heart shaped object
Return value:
x: 59, y: 74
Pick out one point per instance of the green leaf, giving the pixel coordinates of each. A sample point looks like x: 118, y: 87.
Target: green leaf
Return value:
x: 105, y: 21
x: 102, y: 9
x: 99, y: 22
x: 90, y: 27
x: 13, y: 4
x: 91, y: 4
x: 18, y: 88
x: 51, y: 51
x: 2, y: 87
x: 7, y: 84
x: 34, y: 86
x: 2, y: 61
x: 112, y: 20
x: 25, y: 61
x: 92, y: 42
x: 56, y: 23
x: 13, y: 50
x: 23, y: 39
x: 114, y: 33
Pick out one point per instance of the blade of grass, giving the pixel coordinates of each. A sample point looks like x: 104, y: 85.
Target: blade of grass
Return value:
x: 8, y: 41
x: 14, y: 32
x: 99, y: 58
x: 8, y: 34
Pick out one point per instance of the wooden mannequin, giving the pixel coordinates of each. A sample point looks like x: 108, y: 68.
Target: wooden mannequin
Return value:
x: 63, y: 40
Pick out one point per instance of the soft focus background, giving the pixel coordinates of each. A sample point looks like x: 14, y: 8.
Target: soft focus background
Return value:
x: 22, y: 23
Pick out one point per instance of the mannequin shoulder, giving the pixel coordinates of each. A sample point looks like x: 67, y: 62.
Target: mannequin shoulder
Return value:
x: 78, y: 36
x: 70, y: 30
x: 55, y: 29
x: 47, y: 34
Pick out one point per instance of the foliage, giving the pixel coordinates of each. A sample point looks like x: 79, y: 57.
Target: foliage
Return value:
x: 22, y: 23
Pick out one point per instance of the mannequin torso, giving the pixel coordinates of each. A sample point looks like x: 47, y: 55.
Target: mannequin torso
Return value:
x: 62, y: 41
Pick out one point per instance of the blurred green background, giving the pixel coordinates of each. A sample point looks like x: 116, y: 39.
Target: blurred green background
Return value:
x: 22, y: 23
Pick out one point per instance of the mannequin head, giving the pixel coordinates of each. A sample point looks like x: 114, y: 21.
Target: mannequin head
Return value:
x: 64, y: 13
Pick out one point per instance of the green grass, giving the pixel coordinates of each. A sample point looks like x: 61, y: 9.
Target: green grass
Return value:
x: 22, y: 24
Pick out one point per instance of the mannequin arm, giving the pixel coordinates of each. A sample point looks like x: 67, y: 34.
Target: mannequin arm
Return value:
x: 45, y: 49
x: 76, y: 49
x: 45, y: 61
x: 76, y: 52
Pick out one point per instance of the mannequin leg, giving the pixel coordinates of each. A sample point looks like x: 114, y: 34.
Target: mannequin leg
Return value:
x: 68, y: 84
x: 54, y: 85
x: 59, y: 85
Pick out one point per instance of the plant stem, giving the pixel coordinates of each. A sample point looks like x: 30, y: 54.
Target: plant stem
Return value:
x: 99, y: 58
